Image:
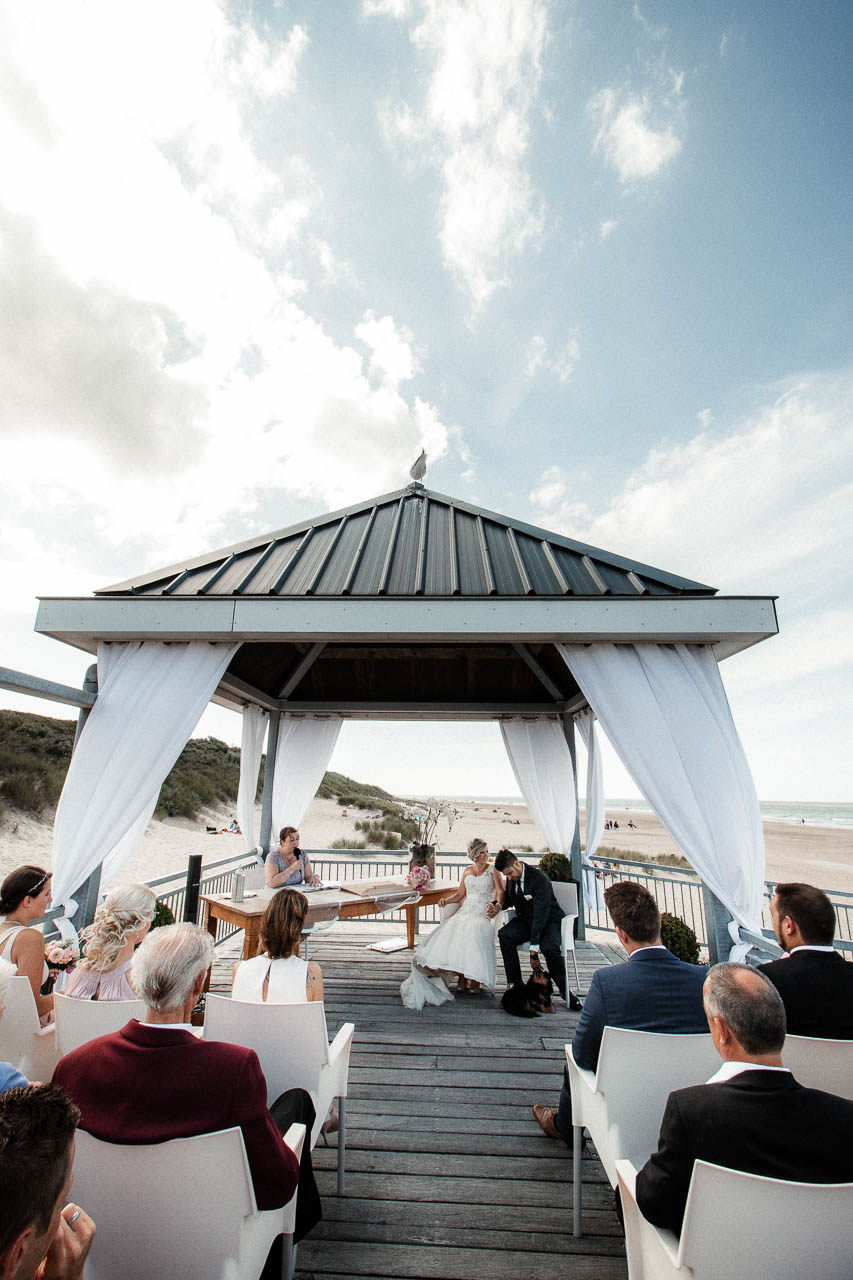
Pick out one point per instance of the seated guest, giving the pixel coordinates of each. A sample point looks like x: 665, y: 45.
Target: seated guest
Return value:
x: 155, y: 1080
x: 10, y: 1077
x: 42, y: 1236
x: 279, y: 975
x: 654, y: 991
x: 24, y: 897
x: 752, y: 1115
x: 815, y: 983
x: 288, y: 864
x: 121, y: 922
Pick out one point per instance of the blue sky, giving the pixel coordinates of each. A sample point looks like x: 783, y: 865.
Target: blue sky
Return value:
x: 596, y: 257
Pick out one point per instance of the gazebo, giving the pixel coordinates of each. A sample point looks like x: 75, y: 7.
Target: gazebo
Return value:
x: 417, y: 606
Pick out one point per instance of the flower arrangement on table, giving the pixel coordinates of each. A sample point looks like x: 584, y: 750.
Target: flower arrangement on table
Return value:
x: 427, y: 815
x: 60, y: 958
x: 419, y: 877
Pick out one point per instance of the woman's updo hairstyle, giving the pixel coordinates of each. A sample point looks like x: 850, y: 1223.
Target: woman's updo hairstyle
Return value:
x: 21, y: 883
x: 476, y: 847
x: 124, y: 911
x: 281, y: 923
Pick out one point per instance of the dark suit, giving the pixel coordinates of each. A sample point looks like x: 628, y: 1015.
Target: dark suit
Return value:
x: 817, y: 991
x: 653, y: 991
x: 537, y: 920
x: 760, y: 1122
x: 145, y: 1084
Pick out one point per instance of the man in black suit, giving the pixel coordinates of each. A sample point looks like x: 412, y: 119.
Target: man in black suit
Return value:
x: 752, y: 1115
x: 654, y: 991
x: 815, y: 983
x: 537, y: 921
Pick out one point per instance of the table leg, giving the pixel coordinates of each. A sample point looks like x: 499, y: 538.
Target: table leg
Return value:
x: 210, y: 926
x: 410, y: 925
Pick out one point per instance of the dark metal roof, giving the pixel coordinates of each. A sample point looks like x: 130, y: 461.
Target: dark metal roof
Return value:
x: 410, y: 543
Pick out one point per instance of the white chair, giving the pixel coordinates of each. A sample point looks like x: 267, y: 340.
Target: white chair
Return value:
x: 28, y: 1046
x: 292, y: 1043
x: 567, y: 898
x: 622, y: 1103
x: 79, y: 1021
x: 739, y: 1224
x: 821, y: 1064
x: 180, y: 1208
x: 255, y: 877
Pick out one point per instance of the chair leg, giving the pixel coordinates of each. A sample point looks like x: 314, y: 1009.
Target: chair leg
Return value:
x: 577, y: 975
x: 288, y: 1257
x: 577, y: 1175
x: 342, y: 1143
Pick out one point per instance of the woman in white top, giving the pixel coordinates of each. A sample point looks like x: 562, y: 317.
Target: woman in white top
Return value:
x: 24, y: 897
x: 279, y: 975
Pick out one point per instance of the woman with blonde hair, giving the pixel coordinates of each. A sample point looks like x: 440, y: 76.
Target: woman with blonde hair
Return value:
x: 25, y: 897
x: 464, y: 943
x: 121, y: 922
x: 279, y: 975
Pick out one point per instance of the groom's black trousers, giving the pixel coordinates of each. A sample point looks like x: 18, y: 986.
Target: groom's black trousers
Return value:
x: 516, y: 932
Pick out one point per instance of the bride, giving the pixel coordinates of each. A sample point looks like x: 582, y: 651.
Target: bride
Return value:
x: 464, y: 944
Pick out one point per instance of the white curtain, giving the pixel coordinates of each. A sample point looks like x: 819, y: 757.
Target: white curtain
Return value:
x: 665, y: 711
x: 150, y: 698
x: 595, y: 808
x: 255, y: 724
x: 305, y: 747
x: 542, y: 764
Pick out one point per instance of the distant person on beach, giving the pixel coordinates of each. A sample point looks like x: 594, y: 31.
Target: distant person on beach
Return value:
x: 24, y: 897
x: 121, y: 922
x: 288, y: 865
x: 814, y: 981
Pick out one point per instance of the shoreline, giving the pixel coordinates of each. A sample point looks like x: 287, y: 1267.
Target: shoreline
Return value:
x: 822, y: 856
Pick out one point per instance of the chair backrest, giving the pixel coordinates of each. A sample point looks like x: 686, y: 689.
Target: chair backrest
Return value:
x: 290, y: 1039
x: 169, y: 1209
x: 444, y: 913
x: 567, y: 897
x: 255, y: 877
x: 19, y: 1023
x: 79, y: 1021
x: 821, y: 1064
x: 637, y: 1071
x: 739, y: 1224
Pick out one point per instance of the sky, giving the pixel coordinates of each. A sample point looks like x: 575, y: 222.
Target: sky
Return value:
x: 595, y: 258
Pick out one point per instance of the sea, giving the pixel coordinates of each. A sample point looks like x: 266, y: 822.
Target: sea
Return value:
x: 811, y: 813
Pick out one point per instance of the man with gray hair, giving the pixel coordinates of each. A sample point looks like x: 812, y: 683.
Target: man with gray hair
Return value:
x: 752, y: 1115
x: 156, y: 1080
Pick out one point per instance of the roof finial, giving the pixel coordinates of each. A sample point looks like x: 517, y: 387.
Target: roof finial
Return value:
x: 418, y: 468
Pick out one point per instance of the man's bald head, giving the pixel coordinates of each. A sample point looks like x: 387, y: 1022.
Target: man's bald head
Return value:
x: 750, y: 1006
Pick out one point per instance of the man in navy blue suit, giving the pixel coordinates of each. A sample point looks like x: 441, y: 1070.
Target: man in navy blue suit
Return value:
x: 654, y: 991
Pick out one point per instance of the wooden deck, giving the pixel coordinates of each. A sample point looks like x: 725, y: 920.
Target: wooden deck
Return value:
x: 448, y: 1174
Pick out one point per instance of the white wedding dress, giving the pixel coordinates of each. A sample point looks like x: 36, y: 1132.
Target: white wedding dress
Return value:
x: 464, y: 943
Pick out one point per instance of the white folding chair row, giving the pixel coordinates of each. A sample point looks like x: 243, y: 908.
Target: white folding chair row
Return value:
x: 180, y: 1208
x: 740, y: 1224
x: 79, y: 1021
x: 621, y: 1104
x: 292, y: 1044
x: 821, y: 1064
x: 29, y: 1047
x: 567, y: 898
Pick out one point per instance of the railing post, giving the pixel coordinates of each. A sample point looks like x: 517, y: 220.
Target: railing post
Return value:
x: 717, y: 919
x: 193, y: 886
x: 577, y: 865
x: 269, y: 779
x: 86, y: 895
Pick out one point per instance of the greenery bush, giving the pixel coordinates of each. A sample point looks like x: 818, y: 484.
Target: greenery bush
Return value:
x: 163, y: 914
x: 556, y: 867
x: 659, y: 859
x: 347, y: 842
x: 679, y: 938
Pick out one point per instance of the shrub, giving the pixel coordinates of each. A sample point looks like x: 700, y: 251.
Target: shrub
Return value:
x: 679, y: 938
x: 347, y: 843
x: 556, y: 867
x: 163, y: 914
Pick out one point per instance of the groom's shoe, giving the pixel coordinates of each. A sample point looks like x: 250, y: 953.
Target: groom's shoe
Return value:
x: 545, y: 1117
x: 575, y: 1005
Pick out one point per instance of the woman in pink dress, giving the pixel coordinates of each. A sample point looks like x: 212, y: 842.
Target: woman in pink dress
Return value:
x: 121, y: 922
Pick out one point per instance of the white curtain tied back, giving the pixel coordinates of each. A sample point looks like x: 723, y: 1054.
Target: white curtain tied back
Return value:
x: 595, y: 809
x: 542, y: 764
x: 255, y: 724
x: 305, y: 747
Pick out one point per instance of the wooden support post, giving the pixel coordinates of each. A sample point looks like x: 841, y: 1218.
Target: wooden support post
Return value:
x: 577, y: 867
x: 193, y: 886
x: 717, y: 920
x: 269, y: 778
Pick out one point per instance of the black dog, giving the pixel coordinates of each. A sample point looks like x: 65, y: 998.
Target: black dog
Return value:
x: 529, y: 999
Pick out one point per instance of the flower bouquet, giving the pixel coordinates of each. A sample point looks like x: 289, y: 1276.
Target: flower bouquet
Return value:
x: 419, y: 877
x: 60, y: 958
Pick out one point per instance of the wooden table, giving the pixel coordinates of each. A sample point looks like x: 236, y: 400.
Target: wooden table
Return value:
x: 323, y: 904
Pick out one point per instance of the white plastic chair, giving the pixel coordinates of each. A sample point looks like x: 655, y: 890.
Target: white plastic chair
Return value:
x: 79, y: 1021
x: 739, y: 1224
x: 28, y: 1046
x: 180, y: 1208
x: 621, y: 1104
x: 292, y: 1043
x: 567, y: 898
x: 821, y: 1064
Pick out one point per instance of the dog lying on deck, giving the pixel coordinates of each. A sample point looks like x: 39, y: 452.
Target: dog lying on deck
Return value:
x: 529, y: 999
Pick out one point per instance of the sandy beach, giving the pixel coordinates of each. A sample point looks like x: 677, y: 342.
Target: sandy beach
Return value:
x: 819, y: 855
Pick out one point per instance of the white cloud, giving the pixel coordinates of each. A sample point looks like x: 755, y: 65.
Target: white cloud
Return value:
x: 562, y: 364
x: 392, y: 357
x: 627, y: 138
x: 485, y: 66
x: 607, y: 228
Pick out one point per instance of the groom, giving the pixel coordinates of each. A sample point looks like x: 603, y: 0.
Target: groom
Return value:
x: 537, y: 920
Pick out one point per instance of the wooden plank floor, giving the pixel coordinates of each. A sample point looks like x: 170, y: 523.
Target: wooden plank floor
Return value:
x: 448, y: 1174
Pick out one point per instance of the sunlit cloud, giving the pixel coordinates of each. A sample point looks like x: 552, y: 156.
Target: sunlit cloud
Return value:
x: 628, y: 139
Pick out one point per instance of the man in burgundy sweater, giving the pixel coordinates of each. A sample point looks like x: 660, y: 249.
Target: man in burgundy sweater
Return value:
x: 155, y: 1080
